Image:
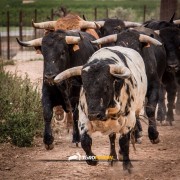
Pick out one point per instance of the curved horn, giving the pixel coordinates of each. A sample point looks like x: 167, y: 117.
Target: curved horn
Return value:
x: 72, y: 39
x: 100, y: 23
x: 119, y: 71
x: 44, y: 25
x: 176, y: 21
x: 84, y: 17
x: 87, y: 25
x: 75, y: 71
x: 131, y: 24
x: 32, y: 43
x: 106, y: 39
x: 147, y: 39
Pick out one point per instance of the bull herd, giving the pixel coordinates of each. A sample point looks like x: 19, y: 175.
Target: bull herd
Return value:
x: 105, y: 73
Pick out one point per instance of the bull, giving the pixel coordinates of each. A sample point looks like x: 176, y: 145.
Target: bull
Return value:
x: 61, y: 50
x: 155, y: 63
x: 113, y: 93
x: 170, y: 35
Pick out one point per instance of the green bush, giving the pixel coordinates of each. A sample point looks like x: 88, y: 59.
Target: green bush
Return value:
x: 20, y: 110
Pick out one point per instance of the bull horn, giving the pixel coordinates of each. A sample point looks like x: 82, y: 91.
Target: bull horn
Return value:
x: 44, y: 25
x: 100, y: 23
x: 147, y: 39
x: 72, y: 39
x: 119, y: 71
x: 32, y: 43
x: 84, y: 17
x: 176, y: 21
x: 171, y: 20
x: 106, y: 39
x: 88, y: 25
x: 131, y: 24
x: 157, y: 32
x: 75, y: 71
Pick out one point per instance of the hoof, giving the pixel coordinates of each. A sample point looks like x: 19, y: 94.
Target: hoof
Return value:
x: 139, y: 140
x: 164, y: 123
x: 113, y: 160
x: 158, y: 123
x: 127, y: 166
x: 92, y: 162
x: 156, y: 141
x: 49, y: 147
x: 153, y: 135
x: 177, y: 111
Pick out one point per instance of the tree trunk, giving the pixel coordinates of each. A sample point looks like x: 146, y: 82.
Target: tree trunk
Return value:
x: 168, y: 8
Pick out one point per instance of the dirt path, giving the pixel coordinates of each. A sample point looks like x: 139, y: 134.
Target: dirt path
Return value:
x: 160, y: 161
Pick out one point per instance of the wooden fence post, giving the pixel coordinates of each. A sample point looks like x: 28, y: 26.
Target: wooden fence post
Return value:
x: 52, y: 14
x: 95, y: 13
x: 21, y: 27
x: 35, y: 19
x: 144, y: 14
x: 107, y: 12
x: 8, y: 36
x: 0, y: 46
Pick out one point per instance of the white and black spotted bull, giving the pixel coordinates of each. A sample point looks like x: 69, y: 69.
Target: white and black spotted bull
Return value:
x: 112, y: 96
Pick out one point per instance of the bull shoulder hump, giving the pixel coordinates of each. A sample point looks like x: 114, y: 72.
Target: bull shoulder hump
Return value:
x: 106, y: 53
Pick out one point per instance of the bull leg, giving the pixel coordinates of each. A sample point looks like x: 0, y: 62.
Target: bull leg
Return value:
x: 48, y: 114
x: 86, y: 143
x: 124, y: 151
x: 171, y: 95
x: 112, y: 138
x: 178, y: 93
x: 138, y: 131
x: 161, y: 113
x: 76, y: 135
x: 152, y: 97
x: 178, y: 102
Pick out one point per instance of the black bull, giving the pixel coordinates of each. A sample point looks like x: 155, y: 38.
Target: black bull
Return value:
x: 59, y: 54
x: 170, y: 35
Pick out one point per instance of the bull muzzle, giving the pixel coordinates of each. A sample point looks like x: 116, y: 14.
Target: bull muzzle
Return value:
x: 97, y: 116
x: 173, y: 68
x: 49, y: 78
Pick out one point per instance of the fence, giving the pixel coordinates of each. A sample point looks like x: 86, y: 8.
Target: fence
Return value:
x: 18, y: 25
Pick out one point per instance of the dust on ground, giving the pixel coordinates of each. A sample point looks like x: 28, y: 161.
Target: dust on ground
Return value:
x: 150, y: 161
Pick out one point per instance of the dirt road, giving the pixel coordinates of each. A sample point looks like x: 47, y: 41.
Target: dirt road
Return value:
x: 160, y: 161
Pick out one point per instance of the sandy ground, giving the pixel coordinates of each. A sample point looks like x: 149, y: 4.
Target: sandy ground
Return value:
x: 160, y: 161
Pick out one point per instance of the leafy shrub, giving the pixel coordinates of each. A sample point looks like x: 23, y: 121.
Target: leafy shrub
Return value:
x: 20, y: 110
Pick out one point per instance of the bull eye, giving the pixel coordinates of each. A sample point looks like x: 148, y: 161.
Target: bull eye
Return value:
x: 53, y: 62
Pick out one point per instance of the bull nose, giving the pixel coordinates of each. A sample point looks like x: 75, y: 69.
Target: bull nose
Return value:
x: 97, y: 116
x: 50, y: 76
x: 173, y: 67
